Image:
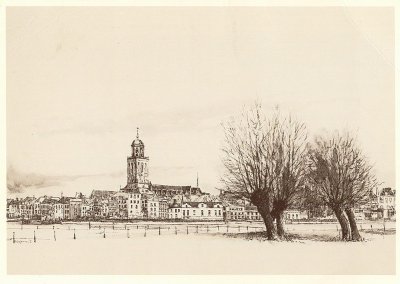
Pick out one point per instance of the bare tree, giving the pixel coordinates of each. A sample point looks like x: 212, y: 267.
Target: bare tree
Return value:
x: 290, y: 173
x: 250, y: 161
x: 265, y: 162
x: 342, y: 178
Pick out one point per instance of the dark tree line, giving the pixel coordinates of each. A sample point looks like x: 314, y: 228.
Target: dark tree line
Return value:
x: 269, y: 161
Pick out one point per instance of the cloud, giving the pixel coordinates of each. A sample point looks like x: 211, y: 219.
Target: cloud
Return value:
x: 18, y: 181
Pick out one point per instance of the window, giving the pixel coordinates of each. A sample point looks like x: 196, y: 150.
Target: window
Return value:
x: 194, y: 212
x: 202, y: 213
x: 209, y: 212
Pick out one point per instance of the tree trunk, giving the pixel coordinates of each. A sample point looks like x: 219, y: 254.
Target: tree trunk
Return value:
x: 355, y: 234
x: 279, y: 224
x: 269, y: 225
x: 262, y: 201
x: 344, y: 224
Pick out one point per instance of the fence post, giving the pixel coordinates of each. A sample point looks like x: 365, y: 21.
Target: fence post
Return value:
x: 227, y: 228
x: 13, y: 237
x: 127, y: 233
x: 197, y: 229
x: 247, y: 229
x: 239, y: 228
x: 113, y: 225
x: 104, y: 233
x: 34, y: 236
x: 159, y: 230
x: 218, y: 228
x: 89, y: 225
x: 54, y: 233
x: 187, y: 230
x: 176, y: 231
x: 207, y: 228
x: 145, y: 229
x: 74, y: 235
x: 21, y: 225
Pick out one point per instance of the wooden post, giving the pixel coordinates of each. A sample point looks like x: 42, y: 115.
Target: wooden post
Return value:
x: 207, y: 228
x: 89, y: 225
x: 104, y: 233
x: 34, y: 236
x: 218, y: 228
x: 239, y: 228
x: 128, y: 233
x: 197, y: 229
x: 13, y: 237
x: 159, y: 231
x: 247, y: 229
x: 187, y: 230
x: 176, y: 231
x: 113, y: 225
x: 227, y: 228
x: 74, y: 235
x: 145, y: 229
x: 54, y: 233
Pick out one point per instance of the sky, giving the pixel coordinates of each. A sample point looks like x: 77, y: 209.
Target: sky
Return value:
x: 81, y: 79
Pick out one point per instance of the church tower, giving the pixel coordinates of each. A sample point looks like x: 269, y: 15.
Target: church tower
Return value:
x: 137, y: 166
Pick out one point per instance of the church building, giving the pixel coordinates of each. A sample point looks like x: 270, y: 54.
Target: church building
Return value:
x: 138, y: 176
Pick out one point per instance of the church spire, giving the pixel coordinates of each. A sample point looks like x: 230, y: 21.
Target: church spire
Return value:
x: 137, y: 132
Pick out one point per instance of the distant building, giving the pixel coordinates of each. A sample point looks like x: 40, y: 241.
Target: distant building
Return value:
x: 202, y: 208
x: 251, y: 213
x: 135, y: 204
x: 75, y: 208
x: 387, y: 202
x: 235, y: 212
x: 295, y: 214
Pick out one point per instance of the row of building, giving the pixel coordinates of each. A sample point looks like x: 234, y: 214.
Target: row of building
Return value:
x: 127, y: 205
x: 135, y: 205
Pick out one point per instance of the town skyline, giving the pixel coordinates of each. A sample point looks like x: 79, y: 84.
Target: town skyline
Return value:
x: 70, y: 124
